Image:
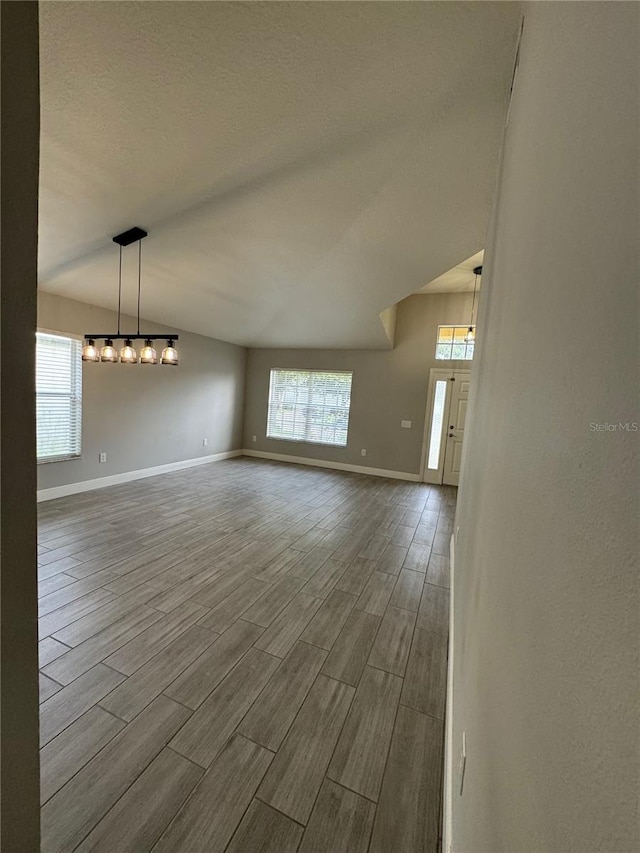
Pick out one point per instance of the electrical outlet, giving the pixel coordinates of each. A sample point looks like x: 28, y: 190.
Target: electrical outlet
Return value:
x: 463, y: 760
x: 363, y: 452
x: 205, y: 441
x: 253, y: 438
x: 405, y: 424
x: 102, y: 457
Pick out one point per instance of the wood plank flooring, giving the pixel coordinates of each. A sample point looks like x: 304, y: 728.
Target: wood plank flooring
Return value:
x: 246, y: 656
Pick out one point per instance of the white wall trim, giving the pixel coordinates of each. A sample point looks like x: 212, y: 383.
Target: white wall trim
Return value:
x: 127, y: 476
x: 336, y: 466
x: 448, y: 728
x: 141, y: 473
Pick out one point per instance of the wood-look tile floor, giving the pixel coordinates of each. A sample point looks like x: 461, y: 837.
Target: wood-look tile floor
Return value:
x: 244, y: 656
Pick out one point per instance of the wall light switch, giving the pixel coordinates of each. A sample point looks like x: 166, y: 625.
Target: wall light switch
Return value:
x: 205, y: 442
x: 363, y: 452
x: 253, y: 438
x: 405, y: 424
x: 102, y: 457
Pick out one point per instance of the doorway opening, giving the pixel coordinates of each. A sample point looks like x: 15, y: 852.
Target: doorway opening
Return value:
x: 444, y: 433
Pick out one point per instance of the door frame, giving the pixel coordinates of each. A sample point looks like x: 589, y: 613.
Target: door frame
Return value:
x: 428, y: 475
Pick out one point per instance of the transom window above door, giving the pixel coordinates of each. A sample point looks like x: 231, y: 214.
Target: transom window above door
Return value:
x: 309, y: 405
x: 455, y: 343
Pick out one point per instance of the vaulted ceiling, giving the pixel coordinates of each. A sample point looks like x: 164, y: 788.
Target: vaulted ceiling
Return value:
x: 459, y: 279
x: 300, y: 167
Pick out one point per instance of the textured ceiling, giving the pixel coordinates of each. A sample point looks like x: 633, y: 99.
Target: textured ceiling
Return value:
x: 300, y: 166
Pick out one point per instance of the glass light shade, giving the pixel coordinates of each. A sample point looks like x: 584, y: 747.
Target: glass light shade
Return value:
x: 169, y: 354
x: 90, y: 351
x: 108, y: 351
x: 128, y: 355
x: 147, y: 354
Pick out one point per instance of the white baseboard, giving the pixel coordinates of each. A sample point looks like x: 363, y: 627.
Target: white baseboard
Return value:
x: 127, y: 476
x: 336, y: 466
x: 448, y: 726
x: 141, y: 473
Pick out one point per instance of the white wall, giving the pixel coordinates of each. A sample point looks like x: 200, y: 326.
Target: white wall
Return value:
x: 388, y: 386
x: 142, y: 415
x: 546, y: 616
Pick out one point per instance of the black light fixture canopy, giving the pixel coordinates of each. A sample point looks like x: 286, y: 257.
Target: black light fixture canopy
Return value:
x: 133, y: 235
x: 90, y: 351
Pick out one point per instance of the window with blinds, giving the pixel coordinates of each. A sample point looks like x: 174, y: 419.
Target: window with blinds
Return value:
x: 309, y: 405
x: 58, y: 397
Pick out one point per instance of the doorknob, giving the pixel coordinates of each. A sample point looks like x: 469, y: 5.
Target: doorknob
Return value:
x: 451, y: 426
x: 450, y: 435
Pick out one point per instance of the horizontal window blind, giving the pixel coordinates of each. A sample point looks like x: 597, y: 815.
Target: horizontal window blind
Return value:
x: 58, y: 397
x: 309, y: 405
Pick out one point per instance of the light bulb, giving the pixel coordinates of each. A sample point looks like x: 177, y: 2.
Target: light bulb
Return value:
x: 108, y: 351
x: 128, y: 355
x: 90, y: 351
x: 147, y: 354
x: 169, y: 354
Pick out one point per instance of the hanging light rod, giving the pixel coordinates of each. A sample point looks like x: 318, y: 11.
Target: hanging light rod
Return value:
x: 123, y: 336
x: 470, y: 337
x: 128, y: 354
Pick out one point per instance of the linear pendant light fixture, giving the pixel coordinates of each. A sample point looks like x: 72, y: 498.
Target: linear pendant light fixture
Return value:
x: 128, y: 353
x: 470, y: 337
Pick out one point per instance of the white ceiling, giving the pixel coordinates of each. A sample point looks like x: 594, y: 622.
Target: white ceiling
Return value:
x: 458, y: 279
x: 300, y: 166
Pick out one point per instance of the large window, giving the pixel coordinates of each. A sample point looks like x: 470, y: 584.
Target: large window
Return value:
x: 58, y: 397
x: 309, y: 405
x: 453, y: 343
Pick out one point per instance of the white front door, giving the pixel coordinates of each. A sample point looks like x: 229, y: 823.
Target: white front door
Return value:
x: 447, y: 410
x: 458, y: 397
